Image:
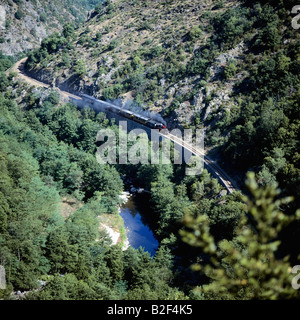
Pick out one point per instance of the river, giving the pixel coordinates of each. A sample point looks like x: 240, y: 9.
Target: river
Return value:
x: 137, y: 222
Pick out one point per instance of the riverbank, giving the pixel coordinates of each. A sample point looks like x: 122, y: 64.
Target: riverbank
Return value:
x: 114, y: 226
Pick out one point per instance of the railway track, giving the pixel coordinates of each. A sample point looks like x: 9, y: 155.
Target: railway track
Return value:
x: 222, y: 176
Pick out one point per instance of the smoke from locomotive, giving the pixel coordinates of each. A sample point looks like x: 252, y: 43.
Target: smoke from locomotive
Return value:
x: 145, y: 119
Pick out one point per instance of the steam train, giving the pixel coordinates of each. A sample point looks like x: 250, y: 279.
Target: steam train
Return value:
x: 149, y: 122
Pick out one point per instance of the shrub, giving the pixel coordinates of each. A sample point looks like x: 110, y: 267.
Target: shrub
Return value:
x: 195, y: 33
x: 19, y: 14
x: 80, y: 68
x: 43, y: 17
x: 98, y: 36
x: 113, y: 44
x: 230, y: 70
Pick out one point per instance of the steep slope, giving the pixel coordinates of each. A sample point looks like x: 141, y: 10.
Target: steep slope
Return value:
x: 139, y: 49
x: 229, y: 66
x: 23, y: 24
x: 169, y: 55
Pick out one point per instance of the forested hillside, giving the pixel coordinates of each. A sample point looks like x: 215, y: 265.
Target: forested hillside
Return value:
x: 231, y: 67
x: 47, y: 153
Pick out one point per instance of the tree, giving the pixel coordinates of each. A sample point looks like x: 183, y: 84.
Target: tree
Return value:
x: 63, y: 256
x: 87, y: 135
x: 98, y: 8
x: 146, y: 174
x: 65, y: 60
x: 248, y: 267
x: 195, y: 33
x: 3, y: 81
x: 98, y: 36
x: 56, y: 163
x: 114, y: 260
x: 269, y: 37
x: 19, y: 14
x: 68, y: 31
x: 4, y: 212
x: 230, y: 70
x: 53, y: 98
x: 80, y: 68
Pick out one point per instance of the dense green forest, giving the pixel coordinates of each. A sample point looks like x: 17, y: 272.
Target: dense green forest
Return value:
x: 38, y: 165
x: 47, y: 151
x: 240, y: 246
x: 260, y: 130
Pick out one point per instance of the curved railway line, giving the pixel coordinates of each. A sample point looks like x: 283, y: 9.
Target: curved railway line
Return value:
x: 221, y: 175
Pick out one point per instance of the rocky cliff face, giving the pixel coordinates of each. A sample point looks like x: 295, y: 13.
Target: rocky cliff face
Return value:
x: 146, y: 51
x: 184, y: 59
x: 23, y: 24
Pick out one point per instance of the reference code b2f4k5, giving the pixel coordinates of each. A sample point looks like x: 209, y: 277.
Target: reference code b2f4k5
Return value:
x: 155, y: 309
x: 171, y: 309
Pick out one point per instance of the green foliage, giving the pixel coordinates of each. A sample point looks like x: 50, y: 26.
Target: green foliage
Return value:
x: 112, y: 92
x: 195, y: 33
x: 248, y: 267
x: 65, y: 61
x: 68, y: 31
x: 3, y: 82
x: 268, y: 121
x: 49, y: 45
x: 169, y: 201
x: 19, y: 14
x: 113, y: 44
x: 43, y: 17
x: 23, y: 220
x: 231, y: 25
x: 35, y: 166
x: 80, y: 68
x: 49, y: 148
x: 230, y: 70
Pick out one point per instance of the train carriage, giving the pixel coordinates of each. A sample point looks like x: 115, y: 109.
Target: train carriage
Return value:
x: 149, y: 122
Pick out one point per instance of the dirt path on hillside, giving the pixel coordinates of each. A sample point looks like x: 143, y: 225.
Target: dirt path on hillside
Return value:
x: 19, y: 69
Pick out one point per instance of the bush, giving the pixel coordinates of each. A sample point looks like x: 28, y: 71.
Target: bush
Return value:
x: 195, y: 33
x: 113, y: 45
x: 112, y: 92
x: 65, y: 61
x: 43, y: 17
x: 98, y: 8
x: 230, y: 70
x: 80, y: 68
x: 68, y: 30
x: 7, y: 24
x: 231, y: 26
x: 98, y: 36
x: 53, y: 98
x: 3, y: 81
x: 156, y: 51
x: 19, y: 14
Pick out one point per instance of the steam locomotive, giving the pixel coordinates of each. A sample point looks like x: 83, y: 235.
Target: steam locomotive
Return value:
x: 149, y: 122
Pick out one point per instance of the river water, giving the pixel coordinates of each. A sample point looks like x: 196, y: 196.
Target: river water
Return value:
x: 137, y: 221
